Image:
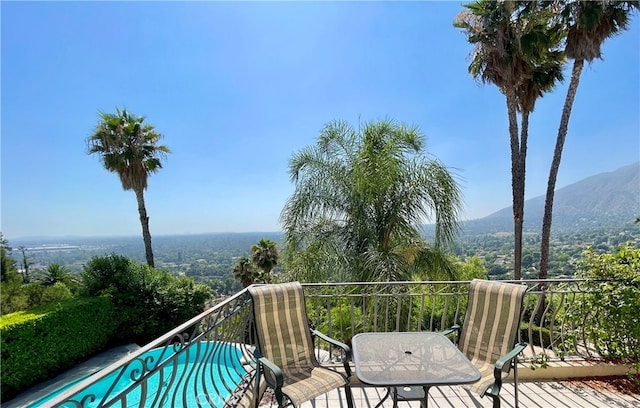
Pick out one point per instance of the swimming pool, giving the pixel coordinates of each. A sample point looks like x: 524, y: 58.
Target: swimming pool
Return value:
x: 204, y: 374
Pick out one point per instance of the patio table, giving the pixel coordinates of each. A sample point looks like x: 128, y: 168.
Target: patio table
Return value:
x: 409, y: 363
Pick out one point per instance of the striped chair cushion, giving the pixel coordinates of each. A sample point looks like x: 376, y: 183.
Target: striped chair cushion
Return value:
x: 490, y: 326
x: 306, y: 384
x: 284, y: 337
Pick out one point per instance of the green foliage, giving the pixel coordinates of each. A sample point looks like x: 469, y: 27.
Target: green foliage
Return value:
x: 360, y: 200
x: 8, y: 272
x: 265, y: 256
x: 57, y: 284
x: 128, y: 147
x: 539, y: 335
x: 607, y: 313
x: 149, y: 302
x: 344, y: 321
x: 12, y: 296
x: 59, y: 274
x: 541, y: 360
x: 472, y: 268
x: 16, y: 296
x: 38, y: 344
x: 246, y: 272
x: 107, y: 274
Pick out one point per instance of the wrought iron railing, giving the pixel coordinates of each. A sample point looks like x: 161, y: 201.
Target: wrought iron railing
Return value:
x: 208, y: 361
x: 343, y: 310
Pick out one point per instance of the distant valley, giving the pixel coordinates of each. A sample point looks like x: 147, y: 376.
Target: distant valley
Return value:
x: 598, y: 211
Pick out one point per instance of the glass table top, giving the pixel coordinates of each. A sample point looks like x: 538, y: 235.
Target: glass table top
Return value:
x: 410, y: 358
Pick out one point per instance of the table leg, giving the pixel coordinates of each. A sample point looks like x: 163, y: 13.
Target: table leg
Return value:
x: 412, y: 393
x: 425, y: 403
x: 395, y: 401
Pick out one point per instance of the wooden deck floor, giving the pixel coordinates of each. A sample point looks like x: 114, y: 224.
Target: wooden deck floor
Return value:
x: 538, y: 394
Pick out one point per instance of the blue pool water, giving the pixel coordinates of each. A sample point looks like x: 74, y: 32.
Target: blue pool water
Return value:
x: 204, y: 375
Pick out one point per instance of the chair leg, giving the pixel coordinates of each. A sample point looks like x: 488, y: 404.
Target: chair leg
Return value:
x: 496, y: 400
x: 349, y: 396
x: 515, y: 380
x: 280, y: 398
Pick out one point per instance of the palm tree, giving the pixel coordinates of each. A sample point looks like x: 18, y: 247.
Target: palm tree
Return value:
x: 130, y: 148
x: 360, y: 200
x: 245, y: 272
x: 56, y: 273
x: 589, y: 24
x: 515, y: 48
x: 265, y: 256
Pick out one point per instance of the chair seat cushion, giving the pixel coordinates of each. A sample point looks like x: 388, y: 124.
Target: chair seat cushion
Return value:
x: 486, y: 378
x: 304, y: 383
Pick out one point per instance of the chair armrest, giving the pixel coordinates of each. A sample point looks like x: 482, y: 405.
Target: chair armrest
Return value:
x: 455, y: 328
x: 506, y: 359
x: 509, y: 356
x: 346, y: 349
x: 276, y: 373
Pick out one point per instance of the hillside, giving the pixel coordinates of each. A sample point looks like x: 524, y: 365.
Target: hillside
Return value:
x: 604, y: 200
x: 598, y: 211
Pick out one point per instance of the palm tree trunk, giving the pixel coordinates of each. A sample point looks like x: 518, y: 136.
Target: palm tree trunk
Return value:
x: 555, y: 165
x: 517, y: 183
x: 551, y: 183
x: 522, y: 161
x: 144, y: 220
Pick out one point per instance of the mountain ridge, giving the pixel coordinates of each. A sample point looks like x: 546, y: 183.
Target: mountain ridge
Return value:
x: 604, y: 199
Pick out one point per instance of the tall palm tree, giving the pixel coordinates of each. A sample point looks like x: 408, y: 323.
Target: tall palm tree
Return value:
x: 360, y: 200
x: 245, y: 272
x: 589, y: 24
x: 265, y: 256
x: 129, y: 147
x: 516, y: 49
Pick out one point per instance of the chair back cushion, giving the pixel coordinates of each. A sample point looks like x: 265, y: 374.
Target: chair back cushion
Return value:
x: 282, y: 327
x: 492, y: 321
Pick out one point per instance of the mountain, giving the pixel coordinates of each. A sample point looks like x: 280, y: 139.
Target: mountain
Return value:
x: 607, y: 199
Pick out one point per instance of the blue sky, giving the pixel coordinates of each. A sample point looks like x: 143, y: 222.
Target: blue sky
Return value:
x: 237, y: 88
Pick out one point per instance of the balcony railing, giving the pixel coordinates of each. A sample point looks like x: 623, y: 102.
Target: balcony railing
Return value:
x: 208, y: 361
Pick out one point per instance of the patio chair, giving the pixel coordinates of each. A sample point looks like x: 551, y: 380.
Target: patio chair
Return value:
x: 489, y: 333
x: 285, y: 347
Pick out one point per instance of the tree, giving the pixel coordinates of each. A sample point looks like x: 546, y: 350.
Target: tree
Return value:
x: 8, y: 272
x: 588, y: 25
x: 606, y: 311
x: 245, y: 272
x: 360, y: 200
x: 265, y: 256
x: 148, y: 302
x: 26, y: 263
x: 516, y: 48
x: 129, y: 147
x: 56, y: 273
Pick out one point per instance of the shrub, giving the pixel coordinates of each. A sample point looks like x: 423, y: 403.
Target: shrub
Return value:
x: 16, y: 296
x: 606, y: 315
x: 540, y: 336
x: 38, y: 344
x: 149, y: 302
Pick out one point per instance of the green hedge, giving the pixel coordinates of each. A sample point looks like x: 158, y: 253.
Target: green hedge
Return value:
x: 36, y: 345
x: 536, y: 332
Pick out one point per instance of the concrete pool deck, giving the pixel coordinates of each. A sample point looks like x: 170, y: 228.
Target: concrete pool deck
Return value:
x: 97, y: 362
